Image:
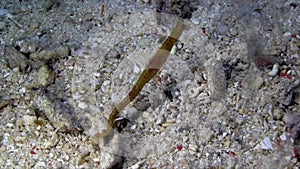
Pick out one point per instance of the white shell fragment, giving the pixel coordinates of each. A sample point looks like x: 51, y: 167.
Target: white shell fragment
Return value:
x: 266, y: 144
x: 274, y: 70
x: 194, y: 92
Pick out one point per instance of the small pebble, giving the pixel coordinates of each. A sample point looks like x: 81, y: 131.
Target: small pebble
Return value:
x: 43, y: 77
x: 258, y: 82
x: 3, y: 148
x: 51, y: 155
x: 9, y: 125
x: 294, y: 47
x: 287, y: 36
x: 67, y: 157
x: 136, y: 69
x: 2, y: 25
x: 70, y: 63
x: 38, y: 128
x: 22, y: 90
x: 167, y: 124
x: 298, y: 19
x: 159, y: 120
x: 277, y: 113
x: 195, y: 21
x: 82, y: 105
x: 106, y: 82
x: 48, y: 144
x: 283, y: 137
